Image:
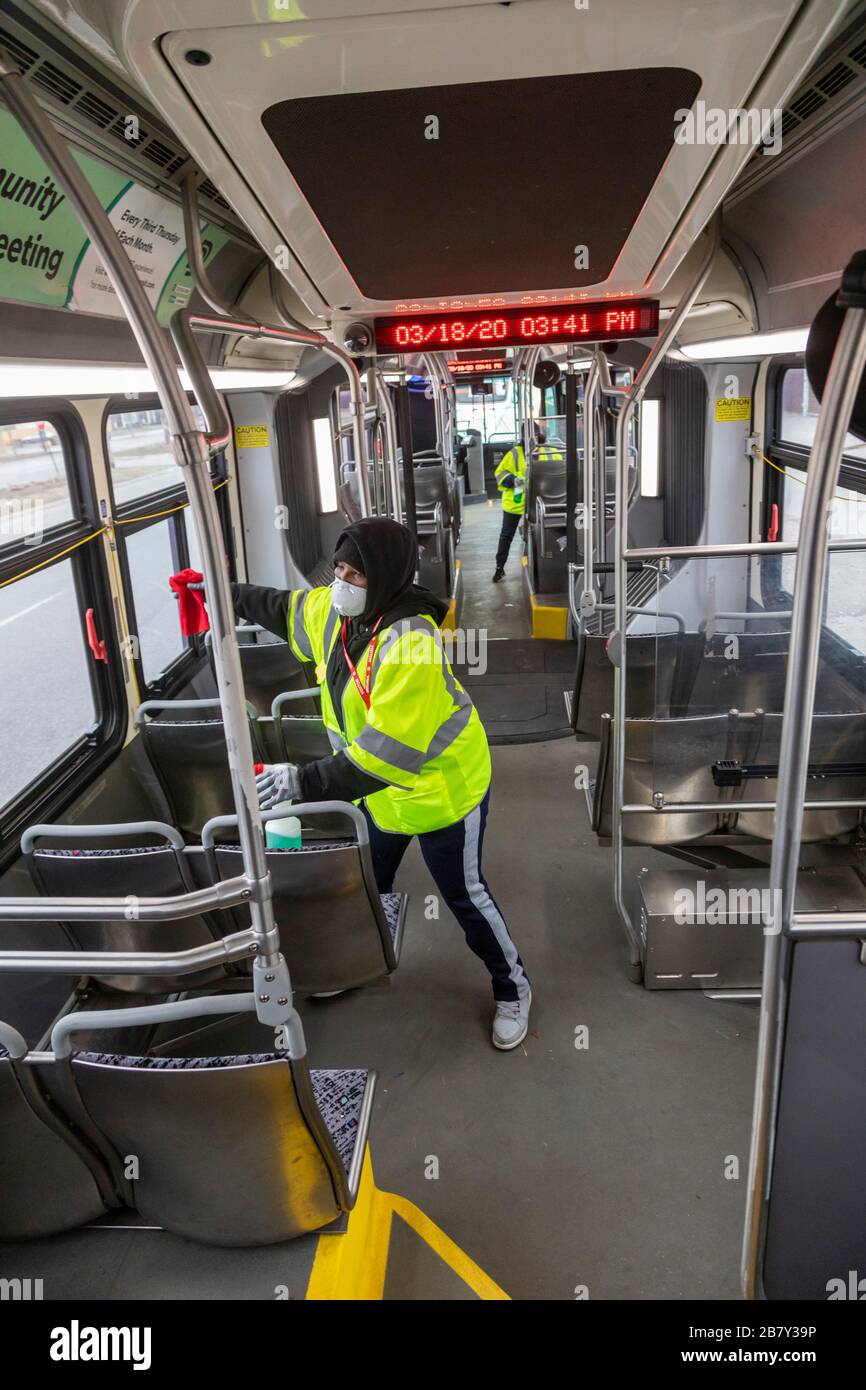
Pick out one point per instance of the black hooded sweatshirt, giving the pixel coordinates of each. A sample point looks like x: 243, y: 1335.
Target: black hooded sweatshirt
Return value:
x: 389, y: 556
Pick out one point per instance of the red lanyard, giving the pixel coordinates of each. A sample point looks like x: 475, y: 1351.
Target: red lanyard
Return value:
x: 363, y: 690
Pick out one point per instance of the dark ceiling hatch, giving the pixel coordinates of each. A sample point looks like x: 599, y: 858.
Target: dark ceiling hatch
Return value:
x: 522, y: 172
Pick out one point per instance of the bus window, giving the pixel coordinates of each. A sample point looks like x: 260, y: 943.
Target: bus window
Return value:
x: 34, y: 482
x: 798, y: 416
x: 151, y: 556
x: 140, y: 454
x: 41, y: 639
x: 156, y: 536
x: 796, y: 421
x: 52, y: 571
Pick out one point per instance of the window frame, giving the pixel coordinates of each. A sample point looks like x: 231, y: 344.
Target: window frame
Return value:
x: 785, y: 454
x: 191, y: 657
x: 47, y: 794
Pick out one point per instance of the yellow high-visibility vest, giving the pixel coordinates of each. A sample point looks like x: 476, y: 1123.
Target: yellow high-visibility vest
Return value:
x: 421, y: 734
x: 514, y: 462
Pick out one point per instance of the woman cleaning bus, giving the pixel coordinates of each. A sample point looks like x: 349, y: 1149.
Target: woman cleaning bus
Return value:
x: 408, y: 742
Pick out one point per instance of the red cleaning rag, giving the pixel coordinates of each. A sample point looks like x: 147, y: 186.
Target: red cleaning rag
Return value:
x: 190, y: 602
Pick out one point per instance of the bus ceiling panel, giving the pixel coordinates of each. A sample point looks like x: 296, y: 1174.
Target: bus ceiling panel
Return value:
x: 400, y: 206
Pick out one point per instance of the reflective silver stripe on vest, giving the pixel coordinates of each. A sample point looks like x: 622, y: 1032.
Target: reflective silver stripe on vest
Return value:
x: 302, y: 641
x: 403, y: 755
x: 336, y: 740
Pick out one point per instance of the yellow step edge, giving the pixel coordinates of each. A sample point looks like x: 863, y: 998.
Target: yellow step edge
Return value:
x: 352, y: 1267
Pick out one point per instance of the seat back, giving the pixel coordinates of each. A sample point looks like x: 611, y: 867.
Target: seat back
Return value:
x: 190, y: 759
x: 835, y: 738
x: 336, y: 932
x: 431, y: 486
x: 546, y: 477
x: 45, y: 1186
x: 269, y: 667
x: 131, y: 872
x: 232, y: 1150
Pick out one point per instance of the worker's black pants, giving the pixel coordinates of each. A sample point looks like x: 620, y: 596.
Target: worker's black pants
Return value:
x: 510, y: 523
x: 453, y: 856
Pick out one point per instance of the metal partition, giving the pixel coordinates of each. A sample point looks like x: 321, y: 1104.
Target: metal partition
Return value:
x: 786, y: 926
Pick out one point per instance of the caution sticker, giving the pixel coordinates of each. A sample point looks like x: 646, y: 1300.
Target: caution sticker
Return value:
x: 251, y: 437
x: 734, y: 408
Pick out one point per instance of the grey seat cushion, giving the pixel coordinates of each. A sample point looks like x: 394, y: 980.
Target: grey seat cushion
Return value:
x: 392, y: 904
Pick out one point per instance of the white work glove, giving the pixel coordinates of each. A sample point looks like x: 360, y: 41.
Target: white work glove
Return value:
x: 277, y: 782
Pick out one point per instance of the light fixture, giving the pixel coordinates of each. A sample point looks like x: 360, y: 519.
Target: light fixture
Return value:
x: 323, y: 440
x: 749, y: 345
x: 69, y: 380
x: 650, y: 421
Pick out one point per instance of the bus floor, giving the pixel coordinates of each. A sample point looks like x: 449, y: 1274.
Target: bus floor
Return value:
x: 558, y: 1166
x: 500, y: 609
x: 516, y: 681
x: 594, y: 1160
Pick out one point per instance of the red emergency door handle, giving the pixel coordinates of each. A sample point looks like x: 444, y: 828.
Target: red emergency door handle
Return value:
x: 773, y: 532
x: 97, y: 647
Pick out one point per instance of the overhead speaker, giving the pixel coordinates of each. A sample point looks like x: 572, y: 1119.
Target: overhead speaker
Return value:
x: 825, y: 331
x: 546, y: 374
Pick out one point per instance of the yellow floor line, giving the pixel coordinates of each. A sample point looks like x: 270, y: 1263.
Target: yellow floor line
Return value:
x: 456, y: 1259
x: 352, y: 1267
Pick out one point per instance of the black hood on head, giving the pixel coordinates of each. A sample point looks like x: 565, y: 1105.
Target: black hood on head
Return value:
x: 389, y: 556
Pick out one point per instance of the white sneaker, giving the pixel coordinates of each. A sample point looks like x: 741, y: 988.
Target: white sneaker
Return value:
x: 511, y: 1022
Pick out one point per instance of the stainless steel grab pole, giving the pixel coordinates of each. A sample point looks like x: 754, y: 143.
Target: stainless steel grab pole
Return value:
x: 590, y: 390
x: 186, y: 322
x: 390, y: 418
x: 193, y: 457
x: 810, y: 578
x: 631, y: 401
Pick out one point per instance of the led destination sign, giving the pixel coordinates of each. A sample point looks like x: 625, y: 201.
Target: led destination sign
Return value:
x: 481, y: 366
x: 515, y: 327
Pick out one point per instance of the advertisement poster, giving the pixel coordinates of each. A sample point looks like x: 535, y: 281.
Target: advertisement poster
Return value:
x: 45, y: 257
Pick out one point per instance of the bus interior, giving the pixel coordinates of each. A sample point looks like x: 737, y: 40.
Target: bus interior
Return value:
x: 267, y: 269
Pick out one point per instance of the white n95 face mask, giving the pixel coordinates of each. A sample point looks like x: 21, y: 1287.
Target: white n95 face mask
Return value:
x: 349, y: 600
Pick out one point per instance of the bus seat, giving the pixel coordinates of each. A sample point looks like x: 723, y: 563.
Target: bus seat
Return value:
x: 292, y: 737
x: 269, y: 667
x: 190, y: 759
x: 112, y: 871
x: 682, y: 750
x: 233, y: 1150
x: 45, y: 1186
x: 650, y: 666
x: 836, y: 738
x: 336, y: 930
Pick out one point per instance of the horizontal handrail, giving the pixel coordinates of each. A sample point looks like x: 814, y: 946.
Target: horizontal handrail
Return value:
x: 150, y: 1015
x: 695, y: 552
x: 305, y: 693
x: 826, y: 926
x: 681, y: 807
x: 100, y: 831
x: 241, y: 945
x: 301, y: 808
x: 232, y: 893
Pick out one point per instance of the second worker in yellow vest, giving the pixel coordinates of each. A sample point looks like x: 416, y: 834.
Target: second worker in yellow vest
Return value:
x: 407, y: 740
x: 510, y: 477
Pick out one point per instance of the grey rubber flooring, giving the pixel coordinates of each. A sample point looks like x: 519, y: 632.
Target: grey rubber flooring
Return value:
x: 558, y: 1167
